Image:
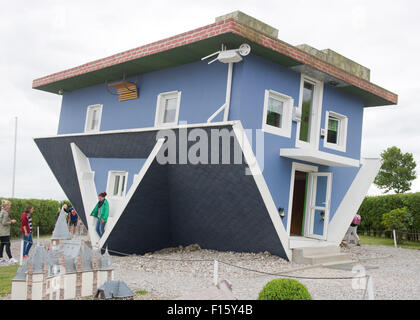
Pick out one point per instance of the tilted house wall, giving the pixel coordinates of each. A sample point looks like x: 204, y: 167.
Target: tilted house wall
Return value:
x: 245, y: 206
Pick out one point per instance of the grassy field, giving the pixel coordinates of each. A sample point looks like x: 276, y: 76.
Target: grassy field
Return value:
x: 7, y: 273
x: 382, y: 241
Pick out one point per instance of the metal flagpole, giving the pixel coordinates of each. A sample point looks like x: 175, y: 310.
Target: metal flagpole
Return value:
x: 14, y: 159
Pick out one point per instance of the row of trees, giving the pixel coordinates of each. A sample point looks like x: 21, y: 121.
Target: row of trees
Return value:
x: 43, y: 217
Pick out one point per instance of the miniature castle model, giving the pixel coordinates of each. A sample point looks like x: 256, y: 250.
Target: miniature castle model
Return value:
x: 68, y: 269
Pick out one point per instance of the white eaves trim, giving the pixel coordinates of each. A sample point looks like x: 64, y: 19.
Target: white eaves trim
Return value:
x: 319, y: 157
x: 172, y: 127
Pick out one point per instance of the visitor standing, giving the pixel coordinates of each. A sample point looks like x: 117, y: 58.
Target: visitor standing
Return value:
x: 353, y: 229
x: 101, y: 211
x: 5, y: 222
x: 74, y: 218
x: 26, y: 229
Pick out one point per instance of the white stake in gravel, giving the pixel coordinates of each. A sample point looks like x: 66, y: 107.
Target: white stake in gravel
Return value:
x: 216, y: 272
x: 369, y: 284
x: 21, y: 252
x: 395, y: 238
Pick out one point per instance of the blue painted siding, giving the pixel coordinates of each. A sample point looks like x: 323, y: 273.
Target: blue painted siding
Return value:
x: 350, y: 106
x: 203, y: 90
x: 101, y: 167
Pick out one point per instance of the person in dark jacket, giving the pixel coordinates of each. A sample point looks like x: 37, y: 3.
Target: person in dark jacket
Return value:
x: 26, y: 229
x: 74, y: 218
x: 101, y: 211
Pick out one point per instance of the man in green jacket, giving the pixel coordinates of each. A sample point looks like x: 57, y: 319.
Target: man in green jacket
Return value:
x: 101, y: 211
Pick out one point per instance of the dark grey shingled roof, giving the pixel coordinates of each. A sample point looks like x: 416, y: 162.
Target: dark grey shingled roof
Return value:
x: 115, y: 289
x: 61, y: 231
x: 21, y: 272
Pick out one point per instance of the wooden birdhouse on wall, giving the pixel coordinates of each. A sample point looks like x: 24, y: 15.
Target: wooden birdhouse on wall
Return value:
x: 125, y: 90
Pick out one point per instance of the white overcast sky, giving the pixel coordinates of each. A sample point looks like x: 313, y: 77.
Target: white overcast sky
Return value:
x: 38, y: 38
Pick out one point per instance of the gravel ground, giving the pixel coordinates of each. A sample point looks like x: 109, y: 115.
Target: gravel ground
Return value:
x: 395, y: 273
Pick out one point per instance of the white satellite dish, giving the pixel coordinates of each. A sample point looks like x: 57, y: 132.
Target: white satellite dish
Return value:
x: 230, y: 56
x: 244, y: 49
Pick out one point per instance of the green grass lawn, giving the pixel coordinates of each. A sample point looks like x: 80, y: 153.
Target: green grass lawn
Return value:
x: 382, y: 241
x: 7, y: 273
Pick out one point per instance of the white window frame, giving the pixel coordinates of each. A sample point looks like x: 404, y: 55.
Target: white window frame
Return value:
x: 111, y: 182
x: 160, y: 108
x: 88, y: 120
x: 286, y: 122
x: 314, y: 134
x: 341, y: 134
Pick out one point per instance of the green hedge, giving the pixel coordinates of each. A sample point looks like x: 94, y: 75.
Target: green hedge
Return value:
x: 373, y: 208
x: 43, y: 216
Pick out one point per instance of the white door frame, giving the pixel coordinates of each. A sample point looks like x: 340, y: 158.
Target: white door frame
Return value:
x: 296, y: 166
x: 310, y: 207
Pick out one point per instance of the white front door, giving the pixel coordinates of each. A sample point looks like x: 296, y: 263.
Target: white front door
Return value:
x: 318, y: 208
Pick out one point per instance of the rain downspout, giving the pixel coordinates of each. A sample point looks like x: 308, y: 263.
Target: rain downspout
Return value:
x: 228, y: 91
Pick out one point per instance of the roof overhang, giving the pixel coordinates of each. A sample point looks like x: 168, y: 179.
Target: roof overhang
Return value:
x: 192, y: 46
x: 319, y: 157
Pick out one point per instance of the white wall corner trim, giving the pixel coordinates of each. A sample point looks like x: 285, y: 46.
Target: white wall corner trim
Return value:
x: 352, y: 200
x: 262, y: 186
x: 85, y: 177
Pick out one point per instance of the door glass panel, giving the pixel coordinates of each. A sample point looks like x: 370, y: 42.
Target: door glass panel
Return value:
x: 306, y: 118
x: 318, y: 222
x: 321, y: 191
x: 319, y: 205
x: 274, y: 112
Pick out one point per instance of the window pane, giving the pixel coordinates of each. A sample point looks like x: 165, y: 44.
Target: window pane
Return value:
x: 123, y: 185
x: 116, y: 185
x: 307, y: 101
x: 170, y: 110
x: 94, y: 122
x: 332, y: 136
x: 274, y: 112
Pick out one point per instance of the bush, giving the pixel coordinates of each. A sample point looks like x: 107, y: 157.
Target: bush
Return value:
x: 373, y: 208
x: 397, y: 219
x: 284, y: 289
x: 43, y: 216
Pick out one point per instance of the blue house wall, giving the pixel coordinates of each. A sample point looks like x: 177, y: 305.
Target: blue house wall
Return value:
x: 101, y: 167
x: 203, y: 90
x: 257, y: 75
